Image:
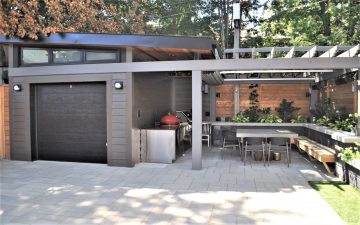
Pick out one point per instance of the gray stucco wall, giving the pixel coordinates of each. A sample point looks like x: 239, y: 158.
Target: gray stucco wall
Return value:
x: 151, y: 98
x: 118, y: 111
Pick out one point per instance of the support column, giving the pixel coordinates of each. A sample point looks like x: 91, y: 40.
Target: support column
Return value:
x: 196, y: 120
x: 314, y: 97
x: 237, y: 16
x: 358, y: 101
x: 236, y: 99
x: 212, y: 93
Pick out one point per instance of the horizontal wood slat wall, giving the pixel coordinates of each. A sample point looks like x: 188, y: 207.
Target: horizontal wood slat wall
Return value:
x: 341, y: 96
x: 4, y: 123
x: 270, y: 95
x: 225, y: 100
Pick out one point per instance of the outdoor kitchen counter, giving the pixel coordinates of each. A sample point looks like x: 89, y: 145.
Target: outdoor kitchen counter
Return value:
x: 164, y: 145
x: 301, y: 128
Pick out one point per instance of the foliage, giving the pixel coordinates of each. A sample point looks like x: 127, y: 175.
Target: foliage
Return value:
x: 253, y: 112
x: 343, y: 198
x: 323, y: 121
x: 32, y: 19
x: 286, y: 109
x: 313, y: 22
x: 350, y: 153
x: 346, y: 124
x: 269, y: 118
x: 299, y: 119
x: 326, y: 108
x: 241, y: 118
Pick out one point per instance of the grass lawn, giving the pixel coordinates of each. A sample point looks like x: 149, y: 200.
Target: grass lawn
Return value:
x: 343, y: 198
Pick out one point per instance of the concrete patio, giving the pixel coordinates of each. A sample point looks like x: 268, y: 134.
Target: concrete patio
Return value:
x: 223, y: 192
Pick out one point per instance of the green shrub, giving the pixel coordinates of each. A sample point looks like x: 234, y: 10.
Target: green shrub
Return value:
x: 241, y: 118
x: 269, y: 118
x: 286, y: 109
x: 350, y: 153
x: 323, y: 121
x: 346, y: 124
x: 299, y: 119
x: 326, y: 108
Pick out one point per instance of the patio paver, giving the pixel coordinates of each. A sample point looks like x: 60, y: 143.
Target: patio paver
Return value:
x: 224, y: 192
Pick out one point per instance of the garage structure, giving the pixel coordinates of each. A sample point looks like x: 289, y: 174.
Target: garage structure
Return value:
x: 87, y: 117
x: 319, y: 62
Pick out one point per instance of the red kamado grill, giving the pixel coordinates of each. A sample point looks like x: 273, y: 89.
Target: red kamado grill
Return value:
x: 169, y: 121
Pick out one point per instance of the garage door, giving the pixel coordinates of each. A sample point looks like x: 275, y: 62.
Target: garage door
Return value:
x: 70, y: 122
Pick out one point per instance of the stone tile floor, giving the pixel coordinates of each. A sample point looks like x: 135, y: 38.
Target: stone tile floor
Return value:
x: 223, y: 192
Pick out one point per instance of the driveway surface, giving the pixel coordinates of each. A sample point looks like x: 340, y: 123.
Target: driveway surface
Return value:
x: 223, y: 192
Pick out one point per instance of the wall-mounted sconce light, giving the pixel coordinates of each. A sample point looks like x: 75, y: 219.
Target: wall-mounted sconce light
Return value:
x: 308, y: 94
x: 17, y: 87
x: 119, y: 85
x: 355, y: 87
x: 205, y: 88
x: 317, y: 78
x: 218, y: 95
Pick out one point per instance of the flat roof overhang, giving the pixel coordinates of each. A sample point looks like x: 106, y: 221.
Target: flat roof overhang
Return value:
x: 145, y: 47
x: 116, y: 40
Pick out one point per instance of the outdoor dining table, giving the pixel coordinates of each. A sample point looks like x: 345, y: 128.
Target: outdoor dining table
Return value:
x: 265, y: 133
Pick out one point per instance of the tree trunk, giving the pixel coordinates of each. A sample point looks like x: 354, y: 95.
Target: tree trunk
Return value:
x: 324, y: 5
x: 351, y: 29
x: 222, y: 30
x: 226, y: 14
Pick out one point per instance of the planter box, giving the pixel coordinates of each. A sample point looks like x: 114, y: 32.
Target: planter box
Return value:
x: 349, y: 172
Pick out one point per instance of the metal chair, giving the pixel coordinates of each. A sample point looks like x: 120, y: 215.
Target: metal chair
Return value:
x: 279, y: 145
x: 206, y: 133
x: 230, y: 141
x: 254, y: 144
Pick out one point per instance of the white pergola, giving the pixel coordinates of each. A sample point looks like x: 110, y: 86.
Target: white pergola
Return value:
x: 323, y: 62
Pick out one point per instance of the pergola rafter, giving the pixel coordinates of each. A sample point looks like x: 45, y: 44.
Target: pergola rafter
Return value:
x: 312, y: 53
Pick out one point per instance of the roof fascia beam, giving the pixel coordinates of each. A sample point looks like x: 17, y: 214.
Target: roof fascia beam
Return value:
x: 188, y: 65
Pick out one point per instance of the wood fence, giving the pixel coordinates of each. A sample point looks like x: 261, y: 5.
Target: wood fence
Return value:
x: 4, y: 123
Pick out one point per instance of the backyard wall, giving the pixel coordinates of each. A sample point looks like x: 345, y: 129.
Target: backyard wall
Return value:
x: 4, y: 123
x: 341, y: 95
x: 151, y: 98
x: 270, y: 95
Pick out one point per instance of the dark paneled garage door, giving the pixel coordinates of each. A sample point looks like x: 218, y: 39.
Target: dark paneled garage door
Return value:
x: 70, y: 122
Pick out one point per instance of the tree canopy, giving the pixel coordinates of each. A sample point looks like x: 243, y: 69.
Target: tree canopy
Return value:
x: 287, y: 22
x: 324, y: 22
x: 31, y: 18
